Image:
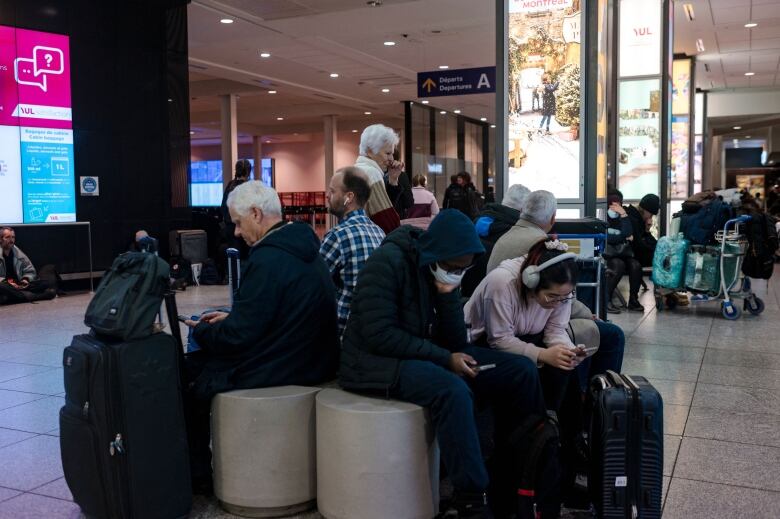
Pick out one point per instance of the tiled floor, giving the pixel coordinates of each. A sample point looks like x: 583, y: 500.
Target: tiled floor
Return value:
x: 719, y: 381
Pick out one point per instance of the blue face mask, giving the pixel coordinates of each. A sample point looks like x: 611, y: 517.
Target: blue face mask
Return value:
x: 613, y: 214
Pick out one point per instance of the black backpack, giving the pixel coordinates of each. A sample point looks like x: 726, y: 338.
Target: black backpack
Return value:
x: 129, y: 296
x: 759, y: 260
x: 476, y: 202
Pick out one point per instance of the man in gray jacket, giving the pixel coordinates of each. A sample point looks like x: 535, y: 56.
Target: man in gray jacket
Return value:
x: 19, y: 281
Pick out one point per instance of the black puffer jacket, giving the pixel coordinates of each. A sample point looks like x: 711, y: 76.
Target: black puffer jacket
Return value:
x: 397, y: 313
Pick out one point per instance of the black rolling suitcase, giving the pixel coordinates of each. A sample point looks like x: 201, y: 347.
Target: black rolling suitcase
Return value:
x: 122, y: 435
x: 626, y: 447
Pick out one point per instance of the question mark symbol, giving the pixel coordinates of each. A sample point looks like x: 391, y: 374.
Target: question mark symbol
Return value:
x: 49, y: 58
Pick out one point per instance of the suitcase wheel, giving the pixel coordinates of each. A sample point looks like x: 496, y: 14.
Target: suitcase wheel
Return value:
x: 730, y: 311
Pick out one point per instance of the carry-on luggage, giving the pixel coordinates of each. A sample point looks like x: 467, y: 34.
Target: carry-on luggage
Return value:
x: 669, y: 262
x: 626, y: 447
x: 702, y: 269
x: 122, y: 433
x: 191, y: 244
x: 592, y: 285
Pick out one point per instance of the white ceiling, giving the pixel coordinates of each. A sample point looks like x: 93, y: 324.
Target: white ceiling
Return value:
x: 730, y: 49
x: 309, y: 39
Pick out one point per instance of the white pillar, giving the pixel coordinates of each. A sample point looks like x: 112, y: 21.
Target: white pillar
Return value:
x: 257, y: 155
x: 229, y: 136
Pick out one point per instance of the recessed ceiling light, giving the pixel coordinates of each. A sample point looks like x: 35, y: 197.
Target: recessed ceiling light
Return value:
x: 170, y: 100
x: 280, y: 118
x: 443, y: 112
x: 700, y: 45
x: 272, y: 91
x: 750, y: 73
x: 444, y: 67
x: 265, y: 54
x: 750, y: 25
x: 389, y: 43
x: 483, y: 119
x: 226, y: 20
x: 334, y: 75
x: 737, y: 127
x: 192, y: 132
x: 748, y: 136
x: 456, y: 111
x: 354, y: 131
x: 366, y: 113
x: 385, y: 90
x: 268, y: 142
x: 425, y: 102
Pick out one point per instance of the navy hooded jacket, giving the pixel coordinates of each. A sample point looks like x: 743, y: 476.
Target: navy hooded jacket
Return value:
x: 397, y: 313
x: 282, y: 327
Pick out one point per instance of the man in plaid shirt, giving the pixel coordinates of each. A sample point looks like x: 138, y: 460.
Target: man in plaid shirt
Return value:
x: 347, y: 246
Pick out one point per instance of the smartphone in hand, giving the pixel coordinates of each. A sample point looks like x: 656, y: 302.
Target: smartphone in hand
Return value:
x: 483, y: 367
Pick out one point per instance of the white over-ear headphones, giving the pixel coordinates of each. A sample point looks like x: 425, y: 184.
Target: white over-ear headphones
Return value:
x: 531, y: 274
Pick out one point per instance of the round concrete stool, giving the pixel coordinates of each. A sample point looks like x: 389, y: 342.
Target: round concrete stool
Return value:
x: 376, y: 458
x: 264, y: 450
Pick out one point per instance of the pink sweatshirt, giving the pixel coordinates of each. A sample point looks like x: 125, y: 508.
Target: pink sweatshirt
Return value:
x: 495, y: 311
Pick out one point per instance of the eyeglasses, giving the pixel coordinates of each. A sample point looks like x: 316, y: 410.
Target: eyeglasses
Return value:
x: 556, y: 300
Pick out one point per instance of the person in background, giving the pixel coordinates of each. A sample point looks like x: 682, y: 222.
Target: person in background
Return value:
x: 347, y: 246
x: 399, y: 189
x: 451, y: 191
x: 493, y: 222
x: 620, y: 255
x: 548, y: 101
x: 282, y: 327
x: 406, y: 338
x: 773, y: 197
x: 464, y: 196
x: 243, y: 170
x: 425, y: 207
x: 377, y: 145
x: 643, y: 243
x: 19, y: 281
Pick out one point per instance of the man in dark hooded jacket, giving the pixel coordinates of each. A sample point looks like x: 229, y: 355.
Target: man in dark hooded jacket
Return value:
x: 406, y: 339
x: 281, y: 329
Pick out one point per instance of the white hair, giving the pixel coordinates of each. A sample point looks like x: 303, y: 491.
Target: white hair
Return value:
x: 375, y: 137
x: 539, y: 207
x: 515, y: 196
x: 254, y: 194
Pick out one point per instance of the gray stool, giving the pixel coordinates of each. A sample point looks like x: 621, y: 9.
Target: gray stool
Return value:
x: 376, y: 458
x: 264, y: 450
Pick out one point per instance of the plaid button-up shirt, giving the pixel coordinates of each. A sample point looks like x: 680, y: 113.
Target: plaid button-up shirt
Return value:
x: 345, y: 249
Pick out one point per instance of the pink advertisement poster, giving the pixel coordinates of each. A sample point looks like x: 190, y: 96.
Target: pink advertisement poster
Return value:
x: 34, y: 79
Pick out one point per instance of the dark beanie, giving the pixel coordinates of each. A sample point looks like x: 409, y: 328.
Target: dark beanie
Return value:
x: 650, y: 203
x: 451, y: 234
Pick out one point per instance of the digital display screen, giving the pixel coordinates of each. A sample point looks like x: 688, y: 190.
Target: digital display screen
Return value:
x: 37, y: 176
x: 206, y: 186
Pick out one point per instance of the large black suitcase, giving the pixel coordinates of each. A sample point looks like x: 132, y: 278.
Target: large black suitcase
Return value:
x: 592, y: 285
x: 122, y: 435
x: 626, y: 447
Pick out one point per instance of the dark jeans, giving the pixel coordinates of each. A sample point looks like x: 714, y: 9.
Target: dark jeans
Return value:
x: 512, y: 387
x: 44, y: 287
x: 609, y: 356
x: 197, y: 416
x: 545, y: 118
x: 619, y: 266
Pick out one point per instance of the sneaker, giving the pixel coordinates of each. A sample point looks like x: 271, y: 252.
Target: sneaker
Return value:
x: 467, y: 506
x: 612, y: 309
x: 634, y: 306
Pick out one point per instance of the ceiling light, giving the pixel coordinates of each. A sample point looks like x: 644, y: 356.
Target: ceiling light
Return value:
x: 389, y: 43
x: 374, y: 3
x: 737, y: 127
x: 354, y: 131
x: 748, y: 136
x: 700, y: 45
x: 192, y: 132
x: 265, y: 54
x: 280, y: 118
x: 492, y: 125
x: 334, y: 75
x: 385, y: 90
x: 444, y: 67
x: 456, y: 111
x: 750, y: 25
x: 268, y: 142
x: 425, y: 102
x: 366, y: 113
x: 443, y: 112
x: 226, y: 20
x: 688, y: 8
x: 750, y: 73
x: 272, y: 91
x: 483, y: 119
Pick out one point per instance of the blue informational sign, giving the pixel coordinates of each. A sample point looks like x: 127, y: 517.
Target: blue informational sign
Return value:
x: 48, y: 184
x: 456, y: 82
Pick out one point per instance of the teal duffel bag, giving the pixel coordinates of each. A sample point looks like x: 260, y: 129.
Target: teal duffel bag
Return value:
x: 129, y: 297
x: 669, y: 262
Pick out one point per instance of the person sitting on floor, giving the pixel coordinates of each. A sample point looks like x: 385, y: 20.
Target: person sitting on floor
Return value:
x: 19, y: 280
x: 347, y: 246
x: 281, y: 329
x: 406, y: 338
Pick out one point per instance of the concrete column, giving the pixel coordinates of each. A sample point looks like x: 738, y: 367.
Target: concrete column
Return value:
x: 229, y: 136
x: 330, y: 132
x: 257, y: 155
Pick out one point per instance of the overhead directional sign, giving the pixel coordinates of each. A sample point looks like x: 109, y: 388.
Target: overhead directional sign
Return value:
x: 456, y: 82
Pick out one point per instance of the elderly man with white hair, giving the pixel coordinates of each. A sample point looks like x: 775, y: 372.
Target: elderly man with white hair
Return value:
x: 377, y: 145
x: 281, y: 329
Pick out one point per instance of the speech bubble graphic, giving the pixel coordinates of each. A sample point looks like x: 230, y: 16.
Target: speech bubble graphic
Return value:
x: 24, y: 73
x: 48, y: 60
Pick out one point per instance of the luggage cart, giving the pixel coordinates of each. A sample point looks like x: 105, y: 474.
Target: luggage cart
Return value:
x: 590, y: 249
x: 731, y: 283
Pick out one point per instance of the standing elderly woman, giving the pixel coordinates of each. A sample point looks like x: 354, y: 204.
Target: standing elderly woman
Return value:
x: 377, y: 144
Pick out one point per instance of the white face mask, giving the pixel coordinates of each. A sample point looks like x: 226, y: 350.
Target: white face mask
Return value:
x: 612, y: 214
x: 448, y: 278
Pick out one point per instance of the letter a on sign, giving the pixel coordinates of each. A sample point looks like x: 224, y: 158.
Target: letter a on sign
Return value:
x: 483, y: 81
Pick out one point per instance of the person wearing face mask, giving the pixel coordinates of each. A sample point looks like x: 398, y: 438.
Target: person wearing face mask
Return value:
x: 377, y: 145
x: 406, y: 338
x: 347, y: 246
x: 620, y: 254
